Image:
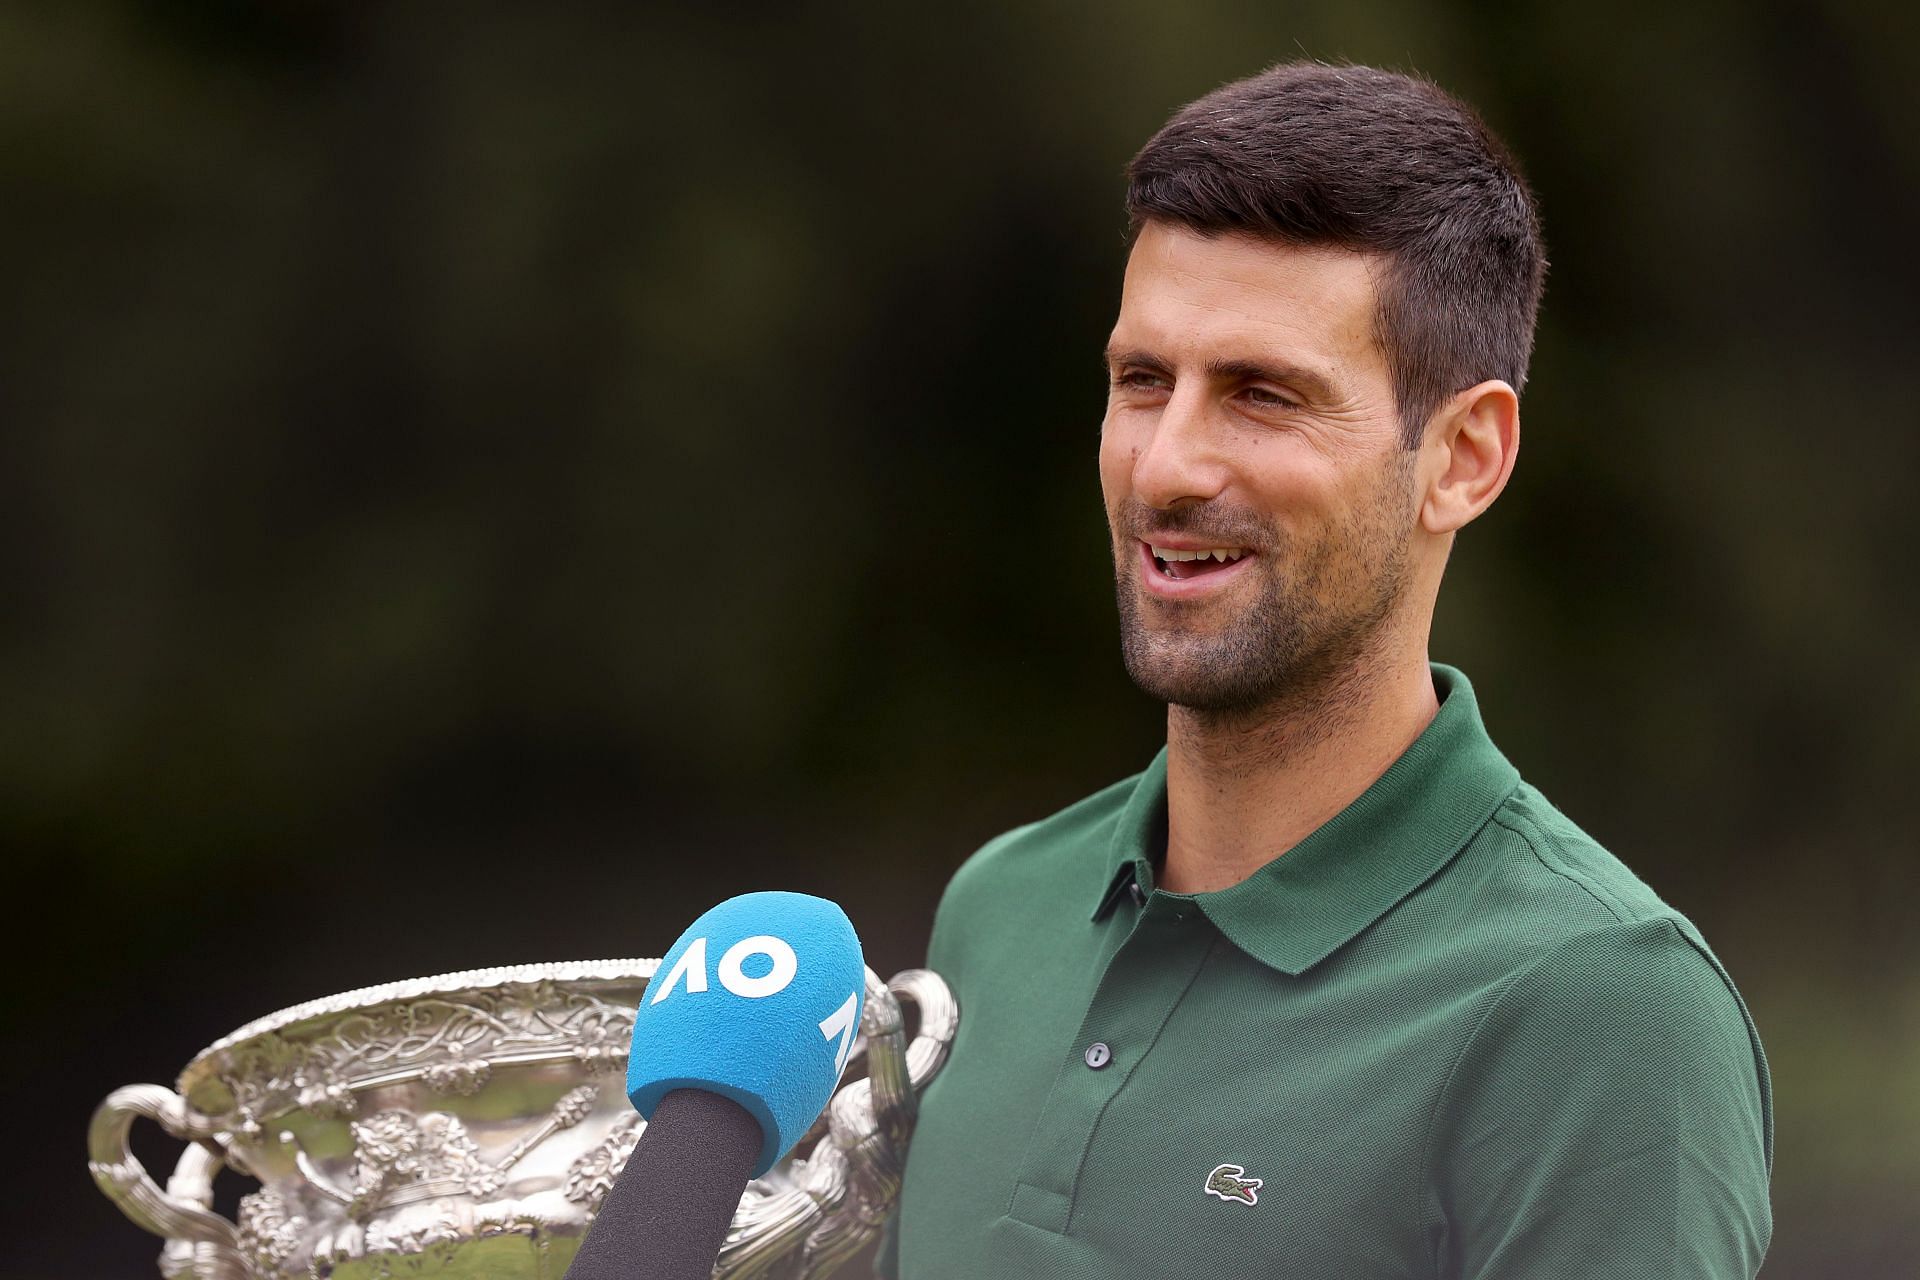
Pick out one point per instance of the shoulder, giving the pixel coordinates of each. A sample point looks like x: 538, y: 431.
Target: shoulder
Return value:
x: 1646, y: 990
x: 1616, y: 1081
x: 1032, y: 868
x: 1595, y: 982
x: 1053, y: 845
x: 1560, y: 853
x: 1531, y: 880
x: 1617, y: 1071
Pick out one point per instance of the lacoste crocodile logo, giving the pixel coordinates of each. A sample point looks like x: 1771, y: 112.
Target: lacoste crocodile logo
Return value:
x: 1230, y: 1182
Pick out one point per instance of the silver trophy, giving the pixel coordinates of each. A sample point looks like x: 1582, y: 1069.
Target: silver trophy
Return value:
x: 470, y: 1124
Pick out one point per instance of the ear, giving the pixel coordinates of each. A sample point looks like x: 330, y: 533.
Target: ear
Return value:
x: 1469, y: 452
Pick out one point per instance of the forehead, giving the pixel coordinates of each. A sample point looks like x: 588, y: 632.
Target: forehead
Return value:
x: 1199, y: 298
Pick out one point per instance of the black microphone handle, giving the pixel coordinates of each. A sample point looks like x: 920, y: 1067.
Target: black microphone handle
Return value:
x: 667, y: 1214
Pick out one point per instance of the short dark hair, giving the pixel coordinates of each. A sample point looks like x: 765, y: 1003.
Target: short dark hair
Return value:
x: 1358, y: 158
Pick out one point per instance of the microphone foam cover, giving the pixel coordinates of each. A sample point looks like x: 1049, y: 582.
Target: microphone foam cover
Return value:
x: 758, y: 1001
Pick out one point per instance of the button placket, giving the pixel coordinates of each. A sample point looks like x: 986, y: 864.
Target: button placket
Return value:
x: 1138, y: 991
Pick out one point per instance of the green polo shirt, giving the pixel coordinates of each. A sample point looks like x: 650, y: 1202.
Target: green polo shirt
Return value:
x: 1446, y: 1035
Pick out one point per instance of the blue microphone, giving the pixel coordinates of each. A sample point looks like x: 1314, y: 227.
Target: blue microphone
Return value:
x: 739, y: 1041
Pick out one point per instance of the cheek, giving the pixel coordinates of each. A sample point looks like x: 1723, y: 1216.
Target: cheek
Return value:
x: 1116, y: 465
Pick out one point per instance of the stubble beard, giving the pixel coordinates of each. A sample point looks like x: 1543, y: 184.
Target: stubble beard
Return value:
x: 1324, y: 606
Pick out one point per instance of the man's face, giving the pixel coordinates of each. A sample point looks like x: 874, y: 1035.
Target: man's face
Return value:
x: 1250, y: 415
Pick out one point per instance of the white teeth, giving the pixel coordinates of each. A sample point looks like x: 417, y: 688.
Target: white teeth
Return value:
x: 1226, y: 555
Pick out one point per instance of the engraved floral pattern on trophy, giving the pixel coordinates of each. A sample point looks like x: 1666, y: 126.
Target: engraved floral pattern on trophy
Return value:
x: 450, y: 1043
x: 592, y: 1175
x: 270, y: 1232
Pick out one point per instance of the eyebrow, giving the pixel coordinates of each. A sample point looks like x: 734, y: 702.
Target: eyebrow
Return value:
x: 1312, y: 385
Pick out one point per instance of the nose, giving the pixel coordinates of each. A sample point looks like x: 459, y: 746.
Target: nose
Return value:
x: 1180, y: 459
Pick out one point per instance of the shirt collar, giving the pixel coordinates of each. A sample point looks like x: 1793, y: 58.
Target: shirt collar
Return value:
x: 1305, y: 904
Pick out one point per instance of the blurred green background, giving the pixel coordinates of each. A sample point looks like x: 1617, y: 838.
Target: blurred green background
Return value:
x: 479, y: 483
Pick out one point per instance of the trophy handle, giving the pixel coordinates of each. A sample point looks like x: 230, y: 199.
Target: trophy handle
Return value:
x: 854, y: 1173
x: 897, y: 1069
x: 872, y: 1119
x: 939, y: 1018
x: 199, y: 1241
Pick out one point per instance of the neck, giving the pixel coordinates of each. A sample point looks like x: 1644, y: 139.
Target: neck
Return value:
x: 1244, y: 787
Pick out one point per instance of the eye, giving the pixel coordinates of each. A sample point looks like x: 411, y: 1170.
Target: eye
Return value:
x: 1268, y: 398
x: 1138, y: 379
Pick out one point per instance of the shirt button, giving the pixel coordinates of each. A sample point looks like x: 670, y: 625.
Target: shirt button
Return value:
x: 1098, y: 1055
x: 1138, y: 894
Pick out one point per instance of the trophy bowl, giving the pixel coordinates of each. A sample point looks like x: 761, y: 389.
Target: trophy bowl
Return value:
x: 470, y: 1125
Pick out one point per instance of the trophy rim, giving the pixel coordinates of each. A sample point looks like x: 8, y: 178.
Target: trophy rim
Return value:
x: 458, y: 982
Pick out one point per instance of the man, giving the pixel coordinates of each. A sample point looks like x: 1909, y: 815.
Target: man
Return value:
x: 1327, y: 990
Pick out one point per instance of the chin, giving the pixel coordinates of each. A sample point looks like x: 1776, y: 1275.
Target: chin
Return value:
x: 1202, y: 676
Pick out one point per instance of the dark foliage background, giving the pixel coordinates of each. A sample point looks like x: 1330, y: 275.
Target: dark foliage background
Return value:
x: 479, y: 483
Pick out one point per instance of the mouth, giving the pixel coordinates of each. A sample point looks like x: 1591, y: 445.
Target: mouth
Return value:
x: 1185, y: 571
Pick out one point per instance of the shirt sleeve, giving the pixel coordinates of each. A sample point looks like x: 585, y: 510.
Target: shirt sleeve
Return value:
x: 1611, y: 1116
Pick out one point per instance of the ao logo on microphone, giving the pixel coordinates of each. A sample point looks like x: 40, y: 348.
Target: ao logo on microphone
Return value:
x: 750, y: 1027
x: 691, y: 969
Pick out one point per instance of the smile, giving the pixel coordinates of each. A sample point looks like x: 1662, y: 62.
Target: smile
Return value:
x: 1184, y: 572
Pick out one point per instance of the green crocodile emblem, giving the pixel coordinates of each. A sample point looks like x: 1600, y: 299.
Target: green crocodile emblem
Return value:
x: 1230, y: 1182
